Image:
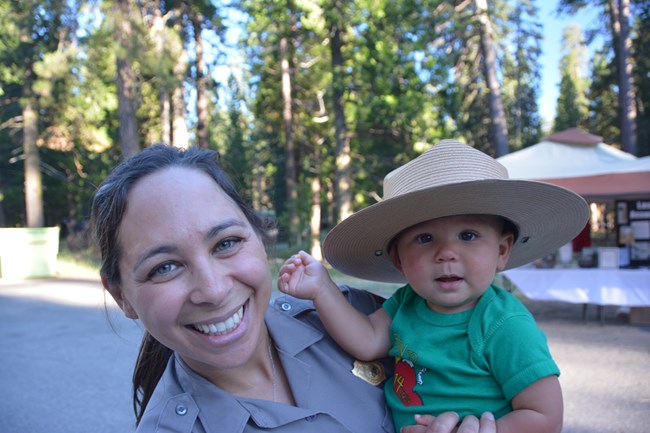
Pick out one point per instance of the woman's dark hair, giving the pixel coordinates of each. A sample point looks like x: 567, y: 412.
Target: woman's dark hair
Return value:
x: 108, y: 208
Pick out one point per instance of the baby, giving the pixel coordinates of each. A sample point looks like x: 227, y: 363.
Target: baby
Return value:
x: 449, y: 221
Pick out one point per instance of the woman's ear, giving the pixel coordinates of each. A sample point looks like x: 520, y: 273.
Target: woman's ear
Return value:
x: 116, y: 293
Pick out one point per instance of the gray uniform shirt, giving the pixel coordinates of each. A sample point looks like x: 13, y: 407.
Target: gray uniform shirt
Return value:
x: 329, y: 398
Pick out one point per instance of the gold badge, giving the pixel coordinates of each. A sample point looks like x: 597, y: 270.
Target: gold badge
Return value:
x: 371, y: 371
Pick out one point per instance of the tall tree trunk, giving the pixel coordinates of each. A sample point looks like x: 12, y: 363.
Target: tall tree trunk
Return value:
x: 33, y: 182
x: 165, y: 116
x: 519, y: 97
x: 315, y: 220
x: 201, y: 84
x: 126, y: 81
x: 180, y: 135
x: 495, y: 104
x: 258, y: 185
x: 620, y: 22
x: 32, y: 162
x: 3, y: 218
x: 158, y: 35
x: 343, y: 159
x: 289, y: 146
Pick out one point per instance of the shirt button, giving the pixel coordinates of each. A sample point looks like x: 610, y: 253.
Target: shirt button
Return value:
x: 285, y: 306
x: 311, y: 418
x: 181, y: 410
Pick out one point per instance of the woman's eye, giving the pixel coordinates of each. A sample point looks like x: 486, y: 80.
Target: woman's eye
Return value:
x: 424, y: 238
x: 162, y: 270
x: 227, y: 244
x: 467, y: 236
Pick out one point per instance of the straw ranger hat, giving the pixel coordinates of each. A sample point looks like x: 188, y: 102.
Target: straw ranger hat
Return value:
x: 453, y: 178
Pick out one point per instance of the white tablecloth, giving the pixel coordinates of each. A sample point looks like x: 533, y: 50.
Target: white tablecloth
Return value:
x: 624, y: 287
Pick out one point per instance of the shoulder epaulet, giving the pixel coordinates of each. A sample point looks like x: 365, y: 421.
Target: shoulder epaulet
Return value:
x: 294, y: 306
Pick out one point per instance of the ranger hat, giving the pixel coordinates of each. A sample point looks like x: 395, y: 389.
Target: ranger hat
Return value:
x: 453, y: 178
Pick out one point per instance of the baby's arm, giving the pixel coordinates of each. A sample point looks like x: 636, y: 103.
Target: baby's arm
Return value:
x: 364, y: 337
x: 536, y: 409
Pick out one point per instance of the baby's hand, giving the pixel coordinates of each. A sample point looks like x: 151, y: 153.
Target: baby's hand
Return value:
x: 302, y: 276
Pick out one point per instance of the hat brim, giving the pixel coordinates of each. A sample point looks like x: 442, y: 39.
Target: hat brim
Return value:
x: 547, y: 217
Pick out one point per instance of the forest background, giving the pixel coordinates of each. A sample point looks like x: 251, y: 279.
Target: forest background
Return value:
x: 322, y: 98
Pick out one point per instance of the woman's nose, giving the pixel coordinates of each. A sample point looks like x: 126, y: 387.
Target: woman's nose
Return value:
x: 211, y: 283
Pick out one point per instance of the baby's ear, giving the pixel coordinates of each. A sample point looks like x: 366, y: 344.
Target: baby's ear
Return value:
x: 394, y: 257
x: 505, y: 248
x: 116, y: 293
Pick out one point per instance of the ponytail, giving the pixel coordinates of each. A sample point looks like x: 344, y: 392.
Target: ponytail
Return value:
x: 149, y: 368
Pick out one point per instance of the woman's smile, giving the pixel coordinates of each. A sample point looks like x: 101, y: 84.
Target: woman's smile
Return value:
x: 223, y: 327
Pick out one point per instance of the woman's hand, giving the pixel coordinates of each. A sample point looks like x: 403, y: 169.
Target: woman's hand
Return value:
x: 446, y: 423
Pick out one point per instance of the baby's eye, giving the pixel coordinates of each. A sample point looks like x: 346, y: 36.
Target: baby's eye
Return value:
x: 467, y: 236
x: 424, y: 238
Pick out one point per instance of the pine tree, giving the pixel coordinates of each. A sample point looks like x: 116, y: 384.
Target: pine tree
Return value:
x: 572, y: 102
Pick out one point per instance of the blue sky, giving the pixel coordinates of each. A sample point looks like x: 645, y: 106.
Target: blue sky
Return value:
x: 551, y: 54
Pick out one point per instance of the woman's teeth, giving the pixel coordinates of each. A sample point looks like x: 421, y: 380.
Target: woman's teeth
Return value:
x: 224, y: 327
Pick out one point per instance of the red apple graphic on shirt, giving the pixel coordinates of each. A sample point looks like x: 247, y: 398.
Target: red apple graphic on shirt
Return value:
x: 405, y: 381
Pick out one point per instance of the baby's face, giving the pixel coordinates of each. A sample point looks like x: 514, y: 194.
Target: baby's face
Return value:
x: 451, y: 261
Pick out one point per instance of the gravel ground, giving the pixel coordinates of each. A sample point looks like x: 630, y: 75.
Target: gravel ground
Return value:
x: 66, y: 367
x: 605, y: 367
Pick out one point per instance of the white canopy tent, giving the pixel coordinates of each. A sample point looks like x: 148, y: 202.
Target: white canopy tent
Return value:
x: 583, y: 163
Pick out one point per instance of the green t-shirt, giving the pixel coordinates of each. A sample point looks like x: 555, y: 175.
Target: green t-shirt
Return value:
x: 469, y: 362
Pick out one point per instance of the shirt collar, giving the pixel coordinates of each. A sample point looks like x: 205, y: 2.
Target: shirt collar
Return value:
x: 230, y: 413
x: 281, y: 322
